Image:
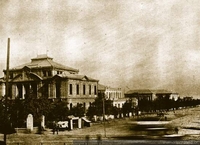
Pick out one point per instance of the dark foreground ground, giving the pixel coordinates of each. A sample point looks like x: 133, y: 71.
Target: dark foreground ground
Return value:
x: 118, y: 131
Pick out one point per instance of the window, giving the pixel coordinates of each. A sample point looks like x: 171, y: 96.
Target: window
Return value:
x: 83, y: 89
x: 59, y: 72
x: 11, y: 75
x: 89, y: 89
x: 77, y: 89
x: 71, y: 106
x: 44, y: 73
x: 70, y: 89
x: 95, y: 90
x: 49, y: 73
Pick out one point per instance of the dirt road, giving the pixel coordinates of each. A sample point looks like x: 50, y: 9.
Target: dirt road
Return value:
x: 187, y: 121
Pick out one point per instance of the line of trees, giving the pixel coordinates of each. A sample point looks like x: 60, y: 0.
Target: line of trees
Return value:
x: 159, y: 104
x: 57, y: 110
x: 17, y: 110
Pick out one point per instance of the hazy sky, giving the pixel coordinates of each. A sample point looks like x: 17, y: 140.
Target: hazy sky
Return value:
x: 134, y: 43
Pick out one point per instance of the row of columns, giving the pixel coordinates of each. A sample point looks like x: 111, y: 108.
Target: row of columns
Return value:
x: 18, y: 91
x: 21, y: 89
x: 114, y: 94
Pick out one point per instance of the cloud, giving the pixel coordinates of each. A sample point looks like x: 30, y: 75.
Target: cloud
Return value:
x: 142, y: 44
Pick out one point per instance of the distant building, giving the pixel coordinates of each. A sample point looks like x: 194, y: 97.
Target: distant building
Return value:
x: 140, y: 94
x: 114, y: 94
x: 45, y: 77
x: 160, y: 94
x: 187, y: 98
x: 150, y: 95
x: 174, y: 96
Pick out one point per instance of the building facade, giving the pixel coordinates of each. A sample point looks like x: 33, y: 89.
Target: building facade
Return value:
x: 44, y: 77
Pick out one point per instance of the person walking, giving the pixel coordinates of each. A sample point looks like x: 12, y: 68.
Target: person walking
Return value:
x: 57, y: 128
x: 176, y: 130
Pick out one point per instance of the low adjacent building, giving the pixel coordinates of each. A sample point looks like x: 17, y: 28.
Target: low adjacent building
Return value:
x: 114, y: 94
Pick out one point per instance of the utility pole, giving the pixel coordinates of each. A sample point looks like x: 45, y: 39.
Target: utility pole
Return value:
x: 103, y: 98
x: 7, y: 90
x: 7, y: 71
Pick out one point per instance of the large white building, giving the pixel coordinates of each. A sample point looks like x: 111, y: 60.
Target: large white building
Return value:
x: 114, y: 94
x: 47, y: 78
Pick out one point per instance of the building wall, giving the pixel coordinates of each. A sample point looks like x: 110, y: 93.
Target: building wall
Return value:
x: 75, y: 98
x: 81, y: 84
x: 119, y: 103
x: 64, y: 89
x: 49, y: 88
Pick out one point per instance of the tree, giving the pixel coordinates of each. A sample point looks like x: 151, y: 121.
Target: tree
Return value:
x: 78, y: 111
x: 127, y: 107
x: 58, y: 111
x: 19, y: 109
x: 5, y: 123
x: 17, y: 113
x: 96, y: 108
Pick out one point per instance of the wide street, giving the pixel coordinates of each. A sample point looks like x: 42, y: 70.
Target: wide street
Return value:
x: 187, y: 121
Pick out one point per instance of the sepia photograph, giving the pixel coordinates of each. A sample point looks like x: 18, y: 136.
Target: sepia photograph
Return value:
x: 95, y: 72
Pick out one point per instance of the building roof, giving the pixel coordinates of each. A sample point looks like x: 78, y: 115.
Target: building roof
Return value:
x: 101, y: 87
x: 148, y: 91
x: 162, y: 91
x: 140, y: 91
x: 42, y: 61
x: 75, y: 76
